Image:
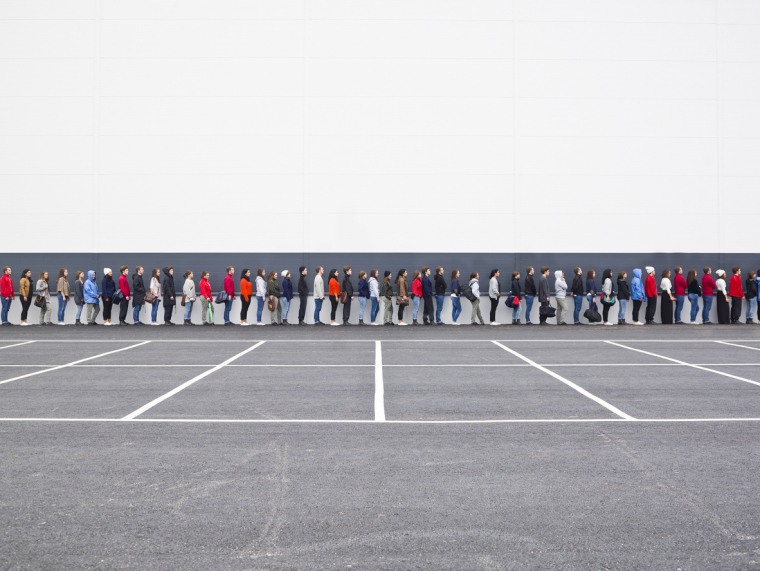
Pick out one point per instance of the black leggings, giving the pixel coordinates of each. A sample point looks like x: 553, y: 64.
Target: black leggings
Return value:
x: 494, y: 305
x: 107, y: 305
x: 25, y: 306
x: 302, y: 307
x: 401, y: 312
x: 636, y: 308
x: 334, y: 304
x: 244, y: 309
x: 605, y: 312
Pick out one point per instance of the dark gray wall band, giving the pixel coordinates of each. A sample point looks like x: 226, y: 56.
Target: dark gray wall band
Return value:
x: 506, y: 262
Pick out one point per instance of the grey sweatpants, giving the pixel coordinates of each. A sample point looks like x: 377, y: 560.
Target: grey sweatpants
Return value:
x: 277, y: 313
x: 561, y: 310
x: 207, y: 305
x: 45, y: 313
x: 93, y: 309
x: 476, y: 311
x: 388, y: 311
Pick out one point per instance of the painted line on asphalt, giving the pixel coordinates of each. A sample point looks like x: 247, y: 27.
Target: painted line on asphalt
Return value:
x: 570, y: 384
x: 733, y: 345
x: 379, y: 387
x: 335, y: 421
x: 17, y: 344
x: 442, y: 340
x: 701, y: 368
x: 183, y: 386
x: 72, y: 364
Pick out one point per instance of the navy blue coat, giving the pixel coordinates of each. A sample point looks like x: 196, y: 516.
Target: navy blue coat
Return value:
x: 427, y: 287
x: 363, y: 289
x: 287, y: 289
x: 108, y: 287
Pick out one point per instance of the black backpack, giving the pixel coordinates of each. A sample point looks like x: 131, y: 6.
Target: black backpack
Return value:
x: 466, y: 291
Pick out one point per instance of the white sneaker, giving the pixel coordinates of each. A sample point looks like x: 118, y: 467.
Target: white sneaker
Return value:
x: 609, y: 323
x: 335, y: 324
x: 456, y: 323
x: 24, y: 323
x: 402, y: 323
x: 693, y: 322
x: 262, y: 324
x: 638, y: 323
x: 495, y: 323
x: 155, y: 323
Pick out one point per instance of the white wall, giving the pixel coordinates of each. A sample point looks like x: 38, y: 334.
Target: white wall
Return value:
x: 516, y: 123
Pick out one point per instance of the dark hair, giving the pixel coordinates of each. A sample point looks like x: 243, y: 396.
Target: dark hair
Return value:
x: 453, y: 274
x: 692, y: 275
x: 751, y: 275
x: 121, y: 269
x: 665, y: 273
x: 544, y: 269
x: 60, y: 273
x: 346, y: 269
x: 439, y: 269
x: 621, y: 275
x: 528, y: 269
x: 138, y: 268
x: 606, y: 274
x: 156, y: 273
x: 187, y: 273
x: 424, y: 269
x: 515, y: 274
x: 736, y: 269
x: 244, y: 272
x: 590, y: 274
x: 576, y: 270
x: 372, y: 273
x: 493, y: 273
x: 706, y: 269
x: 387, y: 277
x: 400, y: 275
x: 169, y: 268
x: 362, y: 274
x: 204, y: 273
x: 473, y: 275
x: 260, y: 272
x: 332, y: 274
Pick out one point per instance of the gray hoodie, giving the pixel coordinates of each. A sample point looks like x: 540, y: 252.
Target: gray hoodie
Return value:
x: 560, y: 285
x: 374, y: 288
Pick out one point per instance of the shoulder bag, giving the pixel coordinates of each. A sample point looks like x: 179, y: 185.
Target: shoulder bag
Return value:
x: 182, y: 303
x: 39, y: 301
x: 222, y: 297
x: 150, y: 298
x: 271, y: 303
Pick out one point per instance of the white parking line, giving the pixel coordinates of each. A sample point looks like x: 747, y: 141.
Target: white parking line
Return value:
x: 173, y: 392
x: 71, y: 364
x: 685, y: 363
x: 334, y: 421
x: 727, y: 343
x: 17, y: 344
x: 570, y: 384
x: 379, y: 387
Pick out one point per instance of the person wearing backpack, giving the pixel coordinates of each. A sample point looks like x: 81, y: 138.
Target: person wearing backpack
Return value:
x: 440, y: 294
x: 637, y: 295
x: 229, y: 287
x: 650, y: 291
x: 387, y: 294
x: 475, y: 300
x: 167, y: 285
x: 530, y: 293
x: 427, y: 297
x: 576, y: 292
x: 516, y: 290
x: 751, y: 296
x: 694, y: 292
x: 624, y: 294
x: 303, y: 295
x: 456, y: 303
x: 138, y: 294
x: 560, y: 287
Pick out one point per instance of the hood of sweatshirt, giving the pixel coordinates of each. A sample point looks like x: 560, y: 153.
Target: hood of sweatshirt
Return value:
x: 637, y: 273
x: 558, y: 275
x: 165, y: 271
x: 91, y: 275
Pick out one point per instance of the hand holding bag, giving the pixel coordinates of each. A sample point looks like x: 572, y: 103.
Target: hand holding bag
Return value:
x: 150, y: 298
x: 608, y: 299
x: 344, y: 297
x: 39, y: 301
x: 222, y: 297
x: 400, y: 301
x: 271, y: 303
x: 510, y: 302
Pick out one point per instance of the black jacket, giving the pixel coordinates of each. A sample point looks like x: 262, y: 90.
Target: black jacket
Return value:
x: 78, y: 292
x: 543, y: 289
x: 530, y: 286
x: 440, y: 285
x: 694, y: 287
x: 303, y: 289
x: 751, y: 288
x: 577, y: 287
x: 624, y: 292
x: 167, y: 285
x: 515, y: 288
x: 348, y: 286
x: 138, y: 290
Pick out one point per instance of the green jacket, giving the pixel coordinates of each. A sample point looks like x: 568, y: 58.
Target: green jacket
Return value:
x: 387, y: 289
x: 274, y: 289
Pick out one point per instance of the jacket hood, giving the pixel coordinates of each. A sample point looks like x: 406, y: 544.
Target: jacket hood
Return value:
x: 165, y: 271
x: 637, y: 273
x: 90, y: 275
x: 558, y: 275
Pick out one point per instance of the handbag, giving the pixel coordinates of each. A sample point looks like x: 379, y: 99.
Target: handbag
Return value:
x: 344, y: 297
x: 271, y: 304
x: 547, y: 311
x: 608, y: 299
x: 117, y: 296
x: 182, y: 303
x: 510, y: 302
x: 150, y: 298
x: 222, y: 297
x: 39, y: 301
x: 403, y: 302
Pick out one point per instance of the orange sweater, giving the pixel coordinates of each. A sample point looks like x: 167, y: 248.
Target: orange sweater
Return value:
x: 246, y: 289
x: 334, y: 287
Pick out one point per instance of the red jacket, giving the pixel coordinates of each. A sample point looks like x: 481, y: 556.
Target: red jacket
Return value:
x: 735, y: 287
x: 124, y: 285
x: 205, y: 289
x: 680, y: 285
x: 417, y: 287
x: 229, y: 286
x: 650, y: 287
x: 708, y: 286
x: 6, y: 286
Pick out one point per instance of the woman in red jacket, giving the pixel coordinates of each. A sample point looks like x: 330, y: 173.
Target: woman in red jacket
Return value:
x: 206, y: 300
x: 334, y: 293
x: 416, y: 294
x: 124, y: 287
x: 246, y: 295
x: 650, y: 290
x: 229, y: 287
x: 736, y: 293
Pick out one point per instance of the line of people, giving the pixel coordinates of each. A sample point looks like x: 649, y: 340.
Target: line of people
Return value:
x: 372, y: 291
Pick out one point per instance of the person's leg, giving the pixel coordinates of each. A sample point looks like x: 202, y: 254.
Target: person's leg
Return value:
x: 480, y: 315
x: 707, y: 302
x: 400, y: 313
x: 751, y: 303
x: 285, y: 309
x: 605, y: 312
x: 438, y: 307
x: 123, y: 310
x: 577, y: 305
x: 474, y: 312
x: 492, y: 313
x: 456, y: 308
x: 373, y: 309
x: 60, y: 309
x: 4, y: 313
x: 303, y: 299
x: 516, y: 311
x: 79, y: 312
x: 188, y: 310
x: 168, y: 313
x: 278, y: 309
x: 317, y: 309
x: 561, y: 310
x: 204, y: 310
x: 154, y: 312
x: 136, y: 313
x: 362, y: 307
x: 416, y: 301
x: 528, y: 307
x: 679, y: 307
x: 259, y: 308
x: 388, y: 314
x: 347, y: 310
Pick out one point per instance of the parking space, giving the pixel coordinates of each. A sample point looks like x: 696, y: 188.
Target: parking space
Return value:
x: 668, y: 392
x: 482, y: 393
x: 549, y: 353
x: 275, y: 393
x: 210, y: 354
x: 88, y: 392
x: 701, y: 353
x: 54, y: 354
x: 311, y: 353
x: 446, y: 353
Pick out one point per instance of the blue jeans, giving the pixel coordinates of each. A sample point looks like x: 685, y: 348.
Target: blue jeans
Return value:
x: 135, y: 313
x: 694, y: 300
x: 285, y: 308
x: 227, y: 307
x: 529, y: 306
x: 376, y: 308
x: 259, y: 308
x: 623, y: 307
x: 79, y: 311
x: 456, y: 308
x: 751, y: 305
x: 438, y: 307
x: 362, y: 307
x: 517, y: 310
x: 317, y: 309
x: 706, y: 305
x: 6, y: 308
x: 188, y: 309
x: 154, y: 312
x: 61, y: 308
x: 679, y: 307
x: 416, y: 301
x: 578, y: 301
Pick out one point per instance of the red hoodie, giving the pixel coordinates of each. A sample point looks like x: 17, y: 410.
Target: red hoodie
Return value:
x: 708, y: 286
x: 229, y: 286
x: 650, y: 288
x: 680, y: 285
x: 6, y: 286
x: 205, y: 289
x: 124, y: 285
x: 417, y: 287
x: 735, y: 287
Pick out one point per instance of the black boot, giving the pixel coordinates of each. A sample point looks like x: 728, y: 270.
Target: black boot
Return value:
x: 361, y: 322
x: 284, y: 322
x: 301, y: 322
x: 78, y: 322
x: 347, y: 323
x: 414, y: 322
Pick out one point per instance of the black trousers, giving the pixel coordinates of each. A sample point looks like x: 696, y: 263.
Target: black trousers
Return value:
x: 244, y: 308
x: 401, y: 312
x: 107, y: 305
x: 334, y: 308
x: 543, y: 318
x: 123, y: 308
x: 302, y: 307
x: 494, y: 305
x: 605, y: 312
x: 736, y: 309
x: 651, y: 308
x: 168, y: 312
x: 25, y: 306
x: 636, y: 308
x: 347, y: 310
x: 427, y: 310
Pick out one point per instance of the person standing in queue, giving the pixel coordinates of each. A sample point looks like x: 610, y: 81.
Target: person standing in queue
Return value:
x: 303, y: 295
x: 108, y: 287
x: 517, y: 291
x: 78, y: 295
x: 724, y: 313
x: 456, y: 303
x: 229, y: 287
x: 402, y: 296
x: 440, y: 294
x: 363, y: 291
x: 607, y: 291
x: 475, y: 288
x: 188, y: 291
x: 591, y: 291
x: 666, y: 307
x: 374, y: 296
x: 427, y: 297
x: 167, y: 285
x: 679, y: 290
x: 348, y: 290
x: 560, y: 288
x: 624, y: 294
x: 637, y: 295
x: 155, y: 289
x: 695, y: 292
x: 91, y: 297
x: 543, y: 292
x: 138, y: 294
x: 650, y: 291
x: 576, y: 292
x: 334, y: 294
x: 493, y: 294
x: 708, y: 290
x: 25, y: 289
x: 287, y: 295
x: 751, y: 295
x: 246, y: 296
x: 64, y: 294
x: 736, y: 293
x: 207, y: 300
x: 416, y: 295
x: 261, y: 294
x: 273, y: 289
x: 530, y: 293
x: 387, y: 294
x: 126, y: 293
x: 319, y: 294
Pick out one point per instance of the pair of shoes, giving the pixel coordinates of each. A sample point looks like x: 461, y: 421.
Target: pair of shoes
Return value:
x: 168, y: 323
x: 347, y: 323
x: 274, y: 323
x: 260, y: 323
x: 609, y: 323
x: 229, y: 323
x: 301, y: 322
x: 386, y: 323
x: 155, y: 323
